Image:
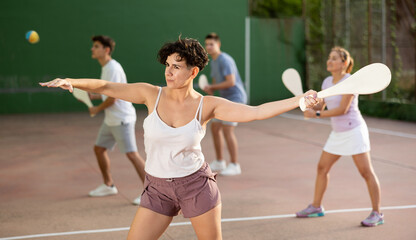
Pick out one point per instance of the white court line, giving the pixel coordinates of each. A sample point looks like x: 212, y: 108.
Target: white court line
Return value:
x: 374, y: 130
x: 189, y: 223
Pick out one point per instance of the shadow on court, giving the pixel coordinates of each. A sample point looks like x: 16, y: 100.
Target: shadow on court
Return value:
x: 47, y: 168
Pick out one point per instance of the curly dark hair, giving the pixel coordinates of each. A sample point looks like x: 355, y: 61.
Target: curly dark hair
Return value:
x: 189, y: 49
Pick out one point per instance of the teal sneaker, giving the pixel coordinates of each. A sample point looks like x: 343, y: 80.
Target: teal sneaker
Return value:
x: 311, y: 211
x: 373, y: 219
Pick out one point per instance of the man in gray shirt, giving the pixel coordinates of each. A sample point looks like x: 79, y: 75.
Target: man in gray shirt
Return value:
x: 226, y: 79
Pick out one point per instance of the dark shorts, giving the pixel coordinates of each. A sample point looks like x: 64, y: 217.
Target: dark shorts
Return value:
x: 194, y: 194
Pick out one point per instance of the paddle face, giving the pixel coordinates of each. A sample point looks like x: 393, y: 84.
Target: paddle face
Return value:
x: 202, y: 81
x: 291, y: 79
x: 83, y: 97
x: 368, y: 80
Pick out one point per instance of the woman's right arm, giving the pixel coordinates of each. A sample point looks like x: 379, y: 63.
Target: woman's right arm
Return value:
x: 320, y: 106
x: 342, y: 109
x: 133, y: 92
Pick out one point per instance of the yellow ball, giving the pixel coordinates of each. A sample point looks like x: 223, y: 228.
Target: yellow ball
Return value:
x: 32, y: 36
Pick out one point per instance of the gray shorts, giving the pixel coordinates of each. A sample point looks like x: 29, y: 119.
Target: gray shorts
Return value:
x: 195, y: 194
x: 234, y: 124
x: 124, y: 135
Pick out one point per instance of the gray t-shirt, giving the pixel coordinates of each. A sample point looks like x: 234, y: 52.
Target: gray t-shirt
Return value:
x: 225, y: 65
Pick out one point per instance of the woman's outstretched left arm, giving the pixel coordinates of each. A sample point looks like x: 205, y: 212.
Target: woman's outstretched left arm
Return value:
x: 223, y: 109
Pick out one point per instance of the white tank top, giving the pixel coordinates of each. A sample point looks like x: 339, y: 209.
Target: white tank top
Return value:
x: 172, y: 152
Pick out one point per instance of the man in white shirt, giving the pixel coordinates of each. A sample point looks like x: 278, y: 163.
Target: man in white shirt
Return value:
x: 119, y: 122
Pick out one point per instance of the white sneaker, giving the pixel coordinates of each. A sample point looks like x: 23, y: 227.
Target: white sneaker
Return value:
x: 103, y: 190
x: 231, y: 170
x: 136, y: 201
x: 217, y: 166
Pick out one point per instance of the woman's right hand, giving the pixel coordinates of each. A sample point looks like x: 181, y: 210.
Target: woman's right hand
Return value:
x: 58, y: 82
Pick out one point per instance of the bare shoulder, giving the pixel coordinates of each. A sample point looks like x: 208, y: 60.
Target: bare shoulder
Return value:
x: 146, y: 86
x: 214, y: 100
x: 151, y: 92
x: 146, y: 89
x: 142, y: 93
x: 211, y: 103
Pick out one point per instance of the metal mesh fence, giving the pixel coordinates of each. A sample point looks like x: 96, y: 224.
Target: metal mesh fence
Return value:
x: 373, y: 31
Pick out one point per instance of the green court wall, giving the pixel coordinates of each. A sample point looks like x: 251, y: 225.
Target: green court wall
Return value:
x: 276, y: 44
x: 139, y: 28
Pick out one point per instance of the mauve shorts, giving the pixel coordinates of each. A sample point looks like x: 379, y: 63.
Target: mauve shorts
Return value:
x: 194, y: 194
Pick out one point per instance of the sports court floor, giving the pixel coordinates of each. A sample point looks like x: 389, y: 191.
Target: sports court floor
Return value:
x: 47, y: 167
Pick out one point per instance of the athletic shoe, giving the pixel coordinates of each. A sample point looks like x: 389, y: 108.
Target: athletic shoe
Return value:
x: 231, y: 170
x: 373, y: 219
x: 311, y: 211
x: 136, y: 201
x: 103, y: 190
x: 217, y: 166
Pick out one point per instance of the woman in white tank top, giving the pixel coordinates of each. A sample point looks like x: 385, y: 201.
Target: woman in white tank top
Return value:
x: 174, y: 128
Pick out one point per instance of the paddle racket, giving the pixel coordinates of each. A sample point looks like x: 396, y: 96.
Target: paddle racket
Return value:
x: 291, y: 80
x: 368, y: 80
x: 83, y: 97
x: 202, y: 81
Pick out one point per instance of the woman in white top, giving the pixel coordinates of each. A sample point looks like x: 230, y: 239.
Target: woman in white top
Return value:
x: 177, y: 177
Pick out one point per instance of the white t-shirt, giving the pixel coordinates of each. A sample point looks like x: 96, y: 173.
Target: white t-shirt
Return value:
x: 121, y: 111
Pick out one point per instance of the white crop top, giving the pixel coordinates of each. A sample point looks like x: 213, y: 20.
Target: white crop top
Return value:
x: 172, y: 152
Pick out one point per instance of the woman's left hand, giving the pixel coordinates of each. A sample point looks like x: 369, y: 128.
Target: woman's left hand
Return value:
x: 311, y: 98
